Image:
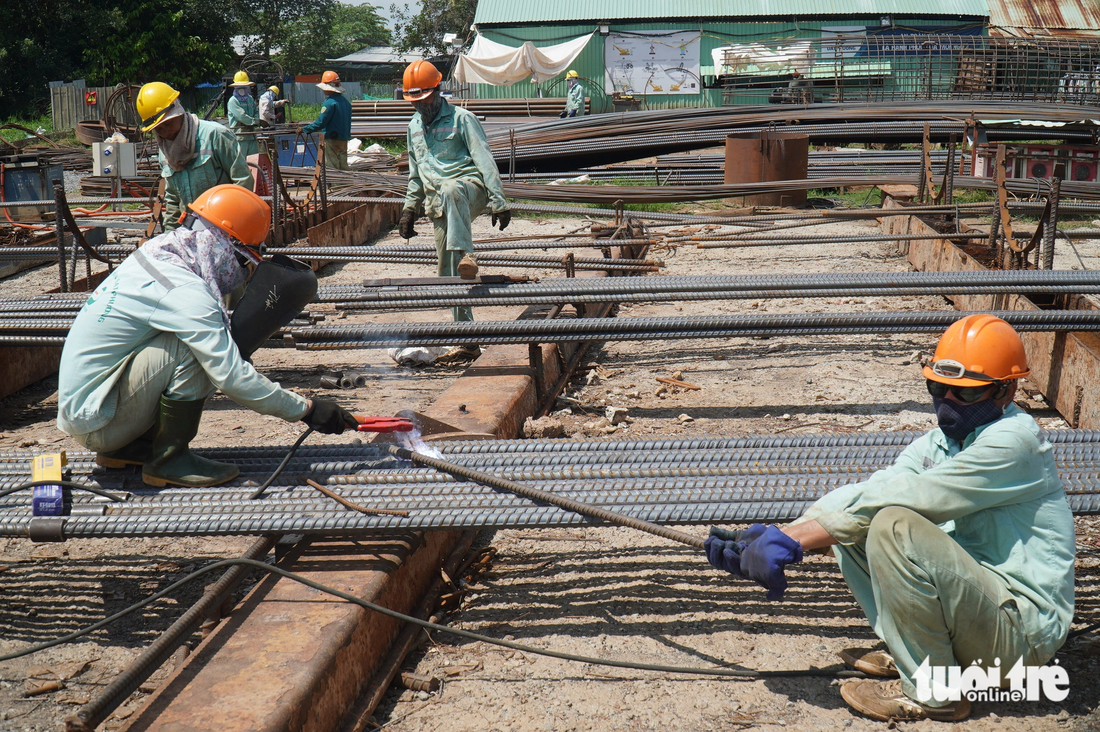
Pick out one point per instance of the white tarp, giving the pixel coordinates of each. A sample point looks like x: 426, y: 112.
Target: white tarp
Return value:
x: 489, y: 62
x: 658, y: 62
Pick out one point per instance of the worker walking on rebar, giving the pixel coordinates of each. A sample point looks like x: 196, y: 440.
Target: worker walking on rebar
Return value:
x: 334, y: 121
x: 960, y: 553
x: 154, y: 342
x: 574, y: 102
x: 452, y: 173
x: 270, y: 105
x: 244, y: 116
x: 195, y: 154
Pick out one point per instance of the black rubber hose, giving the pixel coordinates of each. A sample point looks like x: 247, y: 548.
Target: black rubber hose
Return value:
x: 534, y: 494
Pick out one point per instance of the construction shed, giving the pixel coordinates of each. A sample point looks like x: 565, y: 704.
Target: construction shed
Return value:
x: 673, y: 53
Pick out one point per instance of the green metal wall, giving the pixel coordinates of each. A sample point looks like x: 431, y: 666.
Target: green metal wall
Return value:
x: 590, y: 63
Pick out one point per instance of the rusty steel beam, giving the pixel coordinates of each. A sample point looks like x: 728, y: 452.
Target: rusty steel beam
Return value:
x: 1065, y: 367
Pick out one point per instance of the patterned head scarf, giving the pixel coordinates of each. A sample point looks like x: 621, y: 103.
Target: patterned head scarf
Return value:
x: 208, y: 253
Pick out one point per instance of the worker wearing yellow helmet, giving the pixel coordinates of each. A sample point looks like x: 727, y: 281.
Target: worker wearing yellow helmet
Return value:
x: 961, y: 553
x: 244, y: 116
x: 574, y: 102
x: 195, y: 155
x: 269, y: 106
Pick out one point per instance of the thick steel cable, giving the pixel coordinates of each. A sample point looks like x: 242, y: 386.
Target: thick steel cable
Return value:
x: 536, y: 495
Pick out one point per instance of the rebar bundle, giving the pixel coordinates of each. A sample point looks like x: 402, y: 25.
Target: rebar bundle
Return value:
x: 672, y: 481
x: 329, y: 337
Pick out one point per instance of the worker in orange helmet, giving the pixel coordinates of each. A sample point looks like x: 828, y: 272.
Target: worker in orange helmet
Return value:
x: 452, y: 173
x: 155, y: 340
x: 960, y: 553
x: 334, y: 121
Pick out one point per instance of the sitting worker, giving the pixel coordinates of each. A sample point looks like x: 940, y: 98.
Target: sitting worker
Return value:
x: 270, y: 107
x: 453, y: 174
x: 195, y: 154
x: 242, y: 112
x: 574, y: 102
x: 153, y: 342
x: 334, y: 121
x: 961, y: 552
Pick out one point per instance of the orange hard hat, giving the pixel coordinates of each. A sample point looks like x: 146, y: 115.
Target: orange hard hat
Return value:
x: 419, y: 80
x: 330, y: 77
x: 237, y: 211
x: 977, y: 350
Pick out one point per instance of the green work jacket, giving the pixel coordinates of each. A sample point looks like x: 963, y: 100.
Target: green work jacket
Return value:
x: 217, y: 160
x: 244, y: 114
x: 575, y: 100
x: 452, y: 147
x: 998, y: 495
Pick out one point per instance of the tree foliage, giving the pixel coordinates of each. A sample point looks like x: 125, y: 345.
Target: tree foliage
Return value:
x: 266, y: 22
x: 424, y: 30
x: 181, y: 42
x: 305, y: 44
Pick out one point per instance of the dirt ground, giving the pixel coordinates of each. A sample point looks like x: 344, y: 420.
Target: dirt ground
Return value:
x: 607, y: 593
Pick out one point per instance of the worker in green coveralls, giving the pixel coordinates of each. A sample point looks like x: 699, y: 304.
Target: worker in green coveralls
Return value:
x: 453, y: 174
x: 195, y: 154
x: 334, y: 121
x: 244, y: 114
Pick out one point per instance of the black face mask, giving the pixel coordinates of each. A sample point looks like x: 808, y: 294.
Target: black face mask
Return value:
x: 429, y: 107
x: 959, y: 420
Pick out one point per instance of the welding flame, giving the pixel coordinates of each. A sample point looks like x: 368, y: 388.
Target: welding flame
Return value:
x: 412, y: 441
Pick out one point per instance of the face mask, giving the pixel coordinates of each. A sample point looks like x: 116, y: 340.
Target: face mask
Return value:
x: 572, y: 83
x: 959, y: 420
x: 241, y: 92
x: 429, y: 107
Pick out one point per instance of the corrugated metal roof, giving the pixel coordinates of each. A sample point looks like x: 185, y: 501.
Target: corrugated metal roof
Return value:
x: 1060, y: 17
x: 379, y: 55
x: 497, y: 12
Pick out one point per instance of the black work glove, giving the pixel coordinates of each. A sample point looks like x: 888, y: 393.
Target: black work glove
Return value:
x: 329, y: 417
x: 504, y: 217
x: 572, y: 113
x: 405, y: 225
x: 563, y: 115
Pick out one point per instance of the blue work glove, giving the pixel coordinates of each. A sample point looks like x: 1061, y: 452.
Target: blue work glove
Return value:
x: 724, y: 547
x: 763, y: 560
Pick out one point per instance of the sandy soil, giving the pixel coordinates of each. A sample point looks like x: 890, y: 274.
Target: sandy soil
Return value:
x: 599, y: 592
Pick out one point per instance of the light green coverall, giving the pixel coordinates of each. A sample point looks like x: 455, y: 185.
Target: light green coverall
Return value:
x: 452, y: 171
x: 217, y: 160
x: 960, y: 552
x: 244, y: 116
x: 575, y: 99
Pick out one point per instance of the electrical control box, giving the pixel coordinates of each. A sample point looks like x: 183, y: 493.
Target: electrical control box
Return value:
x: 114, y: 159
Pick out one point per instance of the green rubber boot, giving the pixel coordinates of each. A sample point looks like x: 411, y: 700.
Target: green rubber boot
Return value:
x: 171, y: 462
x: 136, y: 453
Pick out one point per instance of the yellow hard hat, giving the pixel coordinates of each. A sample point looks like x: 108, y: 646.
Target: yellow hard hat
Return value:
x: 274, y: 89
x: 241, y: 79
x: 152, y: 102
x: 572, y: 75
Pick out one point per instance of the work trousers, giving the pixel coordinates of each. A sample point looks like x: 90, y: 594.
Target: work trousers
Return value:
x: 247, y: 143
x: 336, y: 154
x: 925, y: 596
x: 462, y: 201
x: 163, y: 366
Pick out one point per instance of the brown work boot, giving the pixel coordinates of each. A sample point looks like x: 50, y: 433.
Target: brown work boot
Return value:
x: 467, y: 268
x: 885, y: 701
x: 870, y: 661
x: 459, y: 354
